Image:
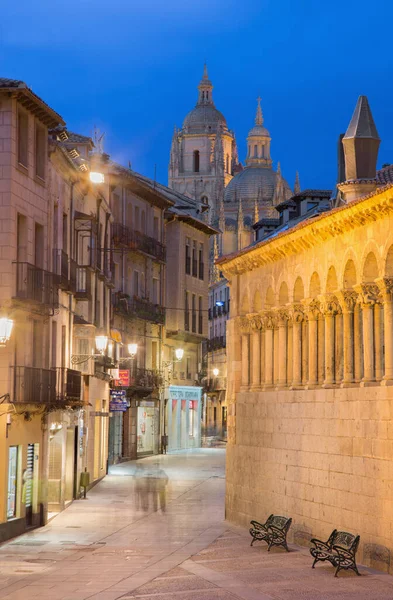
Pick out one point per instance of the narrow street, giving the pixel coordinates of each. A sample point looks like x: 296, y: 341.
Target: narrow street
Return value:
x: 154, y: 529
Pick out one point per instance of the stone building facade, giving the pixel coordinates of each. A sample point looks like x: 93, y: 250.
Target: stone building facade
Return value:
x: 310, y: 365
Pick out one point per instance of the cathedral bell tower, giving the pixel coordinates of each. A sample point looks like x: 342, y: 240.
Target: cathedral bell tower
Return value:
x: 203, y: 152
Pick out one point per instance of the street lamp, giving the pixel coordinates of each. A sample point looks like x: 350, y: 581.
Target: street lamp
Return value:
x: 132, y: 350
x: 6, y: 326
x: 215, y: 372
x: 101, y: 343
x: 179, y: 353
x: 96, y: 177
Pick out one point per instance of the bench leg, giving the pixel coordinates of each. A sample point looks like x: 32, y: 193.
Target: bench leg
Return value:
x: 253, y: 540
x: 314, y: 563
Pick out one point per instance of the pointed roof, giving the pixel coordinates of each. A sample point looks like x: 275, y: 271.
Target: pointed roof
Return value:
x: 296, y: 187
x: 362, y: 123
x: 258, y: 130
x: 259, y: 116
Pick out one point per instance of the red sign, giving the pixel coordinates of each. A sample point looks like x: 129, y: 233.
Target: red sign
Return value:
x: 124, y: 378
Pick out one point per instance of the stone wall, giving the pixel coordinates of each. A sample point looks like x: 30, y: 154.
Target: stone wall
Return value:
x: 323, y: 457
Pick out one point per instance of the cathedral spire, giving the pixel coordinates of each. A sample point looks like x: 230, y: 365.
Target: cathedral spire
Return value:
x: 205, y: 88
x: 221, y: 218
x: 256, y: 211
x: 296, y: 188
x: 259, y: 116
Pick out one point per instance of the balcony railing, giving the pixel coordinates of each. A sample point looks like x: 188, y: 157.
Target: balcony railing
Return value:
x: 83, y: 283
x: 36, y: 285
x: 69, y: 384
x: 145, y: 378
x: 216, y: 343
x: 138, y: 308
x: 136, y: 240
x: 34, y: 386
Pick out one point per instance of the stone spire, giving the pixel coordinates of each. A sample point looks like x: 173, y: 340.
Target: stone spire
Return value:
x: 361, y: 143
x: 259, y: 116
x: 221, y: 216
x: 215, y: 271
x: 219, y: 154
x: 205, y: 88
x: 256, y: 211
x: 296, y: 187
x: 278, y: 195
x: 175, y: 153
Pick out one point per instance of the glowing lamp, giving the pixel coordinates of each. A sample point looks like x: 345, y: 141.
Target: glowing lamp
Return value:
x: 96, y: 177
x: 5, y: 330
x: 219, y: 303
x: 215, y: 372
x: 101, y: 343
x: 132, y: 350
x: 179, y: 352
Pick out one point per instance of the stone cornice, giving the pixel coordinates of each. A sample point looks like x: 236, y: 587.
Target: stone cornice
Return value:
x: 308, y: 234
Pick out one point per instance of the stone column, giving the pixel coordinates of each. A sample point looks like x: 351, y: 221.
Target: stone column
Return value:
x: 330, y: 307
x: 263, y: 352
x: 255, y: 323
x: 269, y: 323
x: 289, y: 350
x: 305, y: 351
x: 348, y: 301
x: 321, y: 349
x: 313, y: 313
x: 358, y: 342
x: 297, y: 319
x: 386, y: 288
x: 339, y: 352
x: 282, y: 347
x: 245, y: 342
x: 368, y: 296
x: 378, y: 341
x: 276, y: 355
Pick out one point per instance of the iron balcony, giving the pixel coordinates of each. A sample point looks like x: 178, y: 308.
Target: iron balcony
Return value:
x: 136, y: 240
x: 34, y: 284
x: 138, y: 308
x: 34, y: 386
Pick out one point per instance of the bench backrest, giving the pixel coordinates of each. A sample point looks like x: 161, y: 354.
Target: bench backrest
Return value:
x: 282, y: 523
x: 346, y: 540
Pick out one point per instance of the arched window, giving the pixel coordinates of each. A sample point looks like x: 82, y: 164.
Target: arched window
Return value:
x: 256, y: 151
x: 196, y: 161
x: 205, y: 200
x: 207, y: 95
x: 227, y: 164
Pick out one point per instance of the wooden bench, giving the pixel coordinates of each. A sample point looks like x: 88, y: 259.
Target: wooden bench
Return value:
x: 340, y: 550
x: 273, y: 531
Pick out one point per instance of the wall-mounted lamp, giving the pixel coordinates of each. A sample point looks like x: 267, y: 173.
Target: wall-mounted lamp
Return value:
x: 215, y: 372
x: 132, y: 350
x: 96, y: 177
x: 179, y: 353
x: 101, y: 343
x: 219, y: 303
x: 6, y: 326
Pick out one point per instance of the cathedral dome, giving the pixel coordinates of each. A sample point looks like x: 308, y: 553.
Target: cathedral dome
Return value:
x: 255, y: 183
x: 205, y: 117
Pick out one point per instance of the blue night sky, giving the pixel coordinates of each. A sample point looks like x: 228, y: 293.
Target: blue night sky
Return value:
x: 132, y: 67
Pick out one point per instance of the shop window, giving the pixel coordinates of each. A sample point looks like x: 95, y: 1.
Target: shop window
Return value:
x: 12, y: 482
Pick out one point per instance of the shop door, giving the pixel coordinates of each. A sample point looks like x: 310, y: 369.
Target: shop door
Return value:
x: 224, y: 422
x: 12, y: 481
x: 70, y: 464
x: 28, y: 484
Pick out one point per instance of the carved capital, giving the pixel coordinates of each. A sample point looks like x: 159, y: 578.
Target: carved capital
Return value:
x: 385, y: 286
x: 255, y: 322
x: 330, y: 306
x: 282, y: 316
x: 369, y: 294
x: 347, y: 299
x: 244, y: 325
x: 297, y: 314
x: 269, y: 320
x: 313, y: 309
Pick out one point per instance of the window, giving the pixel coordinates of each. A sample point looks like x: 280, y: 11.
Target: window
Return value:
x: 156, y: 294
x: 40, y: 151
x: 188, y: 368
x: 201, y: 264
x: 196, y: 161
x: 200, y: 315
x: 136, y: 224
x: 205, y: 200
x: 186, y: 312
x: 21, y: 254
x: 194, y: 259
x: 142, y: 291
x: 188, y: 257
x: 65, y: 233
x: 12, y: 481
x: 23, y: 135
x: 156, y: 232
x: 143, y: 221
x: 136, y: 283
x: 193, y: 315
x: 39, y: 246
x: 227, y: 163
x: 255, y: 151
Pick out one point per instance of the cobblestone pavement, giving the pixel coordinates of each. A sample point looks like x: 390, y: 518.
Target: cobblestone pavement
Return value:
x: 154, y: 530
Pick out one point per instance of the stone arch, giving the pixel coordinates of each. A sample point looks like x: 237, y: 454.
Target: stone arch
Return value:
x: 370, y: 268
x: 245, y: 305
x: 389, y: 262
x: 349, y: 275
x: 315, y: 285
x: 257, y: 304
x: 331, y: 280
x: 269, y: 301
x: 283, y: 296
x: 298, y: 290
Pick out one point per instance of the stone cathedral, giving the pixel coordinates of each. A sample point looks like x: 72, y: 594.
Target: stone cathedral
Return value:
x: 204, y: 165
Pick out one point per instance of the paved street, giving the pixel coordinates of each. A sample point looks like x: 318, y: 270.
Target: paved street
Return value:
x: 154, y: 530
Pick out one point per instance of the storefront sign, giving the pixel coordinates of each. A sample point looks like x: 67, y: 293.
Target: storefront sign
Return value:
x: 124, y: 378
x: 118, y: 401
